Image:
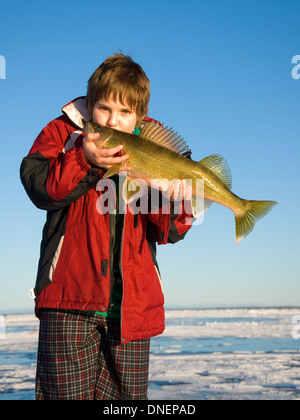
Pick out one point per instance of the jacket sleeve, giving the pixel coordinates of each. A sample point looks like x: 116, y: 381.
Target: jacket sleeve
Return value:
x: 170, y: 224
x: 52, y: 177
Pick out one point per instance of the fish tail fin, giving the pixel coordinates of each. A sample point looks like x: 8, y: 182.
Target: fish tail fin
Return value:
x: 254, y: 210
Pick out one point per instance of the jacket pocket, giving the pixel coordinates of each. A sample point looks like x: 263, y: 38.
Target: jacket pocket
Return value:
x: 104, y: 267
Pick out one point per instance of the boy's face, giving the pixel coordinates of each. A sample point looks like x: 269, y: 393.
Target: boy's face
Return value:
x: 114, y: 114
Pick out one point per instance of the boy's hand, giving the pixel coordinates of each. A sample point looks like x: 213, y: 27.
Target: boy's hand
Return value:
x: 102, y: 157
x: 179, y: 190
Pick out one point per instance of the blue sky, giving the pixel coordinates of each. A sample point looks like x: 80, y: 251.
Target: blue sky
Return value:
x: 220, y: 73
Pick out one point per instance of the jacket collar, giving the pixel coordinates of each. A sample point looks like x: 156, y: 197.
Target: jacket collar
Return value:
x: 77, y: 111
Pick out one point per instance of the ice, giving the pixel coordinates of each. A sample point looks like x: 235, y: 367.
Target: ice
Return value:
x: 18, y: 357
x: 2, y: 327
x: 225, y: 376
x: 203, y: 354
x: 17, y: 377
x: 246, y: 323
x: 228, y: 374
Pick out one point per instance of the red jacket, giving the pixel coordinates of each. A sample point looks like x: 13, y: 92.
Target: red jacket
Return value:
x: 75, y: 264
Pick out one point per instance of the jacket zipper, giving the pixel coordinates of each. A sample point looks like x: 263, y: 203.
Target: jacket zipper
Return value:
x: 112, y: 228
x: 122, y: 219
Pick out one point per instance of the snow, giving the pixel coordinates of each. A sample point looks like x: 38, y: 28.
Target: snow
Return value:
x: 203, y: 354
x: 225, y: 376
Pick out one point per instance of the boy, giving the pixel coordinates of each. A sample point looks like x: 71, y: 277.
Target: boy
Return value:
x: 98, y: 291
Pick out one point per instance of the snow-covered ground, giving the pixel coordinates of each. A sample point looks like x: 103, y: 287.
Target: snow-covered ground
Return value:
x: 203, y: 354
x: 18, y: 350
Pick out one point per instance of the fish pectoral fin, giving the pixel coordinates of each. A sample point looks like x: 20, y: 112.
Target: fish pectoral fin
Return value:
x: 218, y: 165
x: 113, y: 170
x: 133, y: 189
x: 199, y: 206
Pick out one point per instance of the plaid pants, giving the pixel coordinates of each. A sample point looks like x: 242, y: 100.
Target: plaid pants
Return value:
x: 80, y: 357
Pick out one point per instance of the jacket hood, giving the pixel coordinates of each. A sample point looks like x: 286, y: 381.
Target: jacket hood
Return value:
x: 77, y: 111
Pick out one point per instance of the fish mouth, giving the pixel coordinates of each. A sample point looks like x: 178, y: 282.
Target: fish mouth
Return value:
x: 91, y: 127
x: 88, y: 128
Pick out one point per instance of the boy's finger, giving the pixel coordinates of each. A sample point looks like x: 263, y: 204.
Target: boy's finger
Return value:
x: 92, y: 136
x: 178, y: 189
x: 189, y: 193
x: 113, y: 160
x: 111, y: 151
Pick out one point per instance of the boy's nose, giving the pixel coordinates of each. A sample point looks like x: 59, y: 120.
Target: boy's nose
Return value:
x: 112, y: 120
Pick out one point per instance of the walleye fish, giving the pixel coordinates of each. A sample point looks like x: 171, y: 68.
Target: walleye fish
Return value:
x: 159, y: 153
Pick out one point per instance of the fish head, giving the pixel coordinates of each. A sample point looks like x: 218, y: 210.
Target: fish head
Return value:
x: 92, y: 127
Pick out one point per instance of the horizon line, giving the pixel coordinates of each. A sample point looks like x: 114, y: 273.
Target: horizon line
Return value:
x: 174, y: 308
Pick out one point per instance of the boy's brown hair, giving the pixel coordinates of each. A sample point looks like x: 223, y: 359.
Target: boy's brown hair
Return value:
x: 120, y: 76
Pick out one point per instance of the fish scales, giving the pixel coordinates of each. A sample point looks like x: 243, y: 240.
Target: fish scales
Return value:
x: 150, y: 159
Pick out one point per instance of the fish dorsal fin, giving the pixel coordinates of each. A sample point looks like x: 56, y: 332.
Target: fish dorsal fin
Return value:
x: 165, y: 137
x: 218, y: 165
